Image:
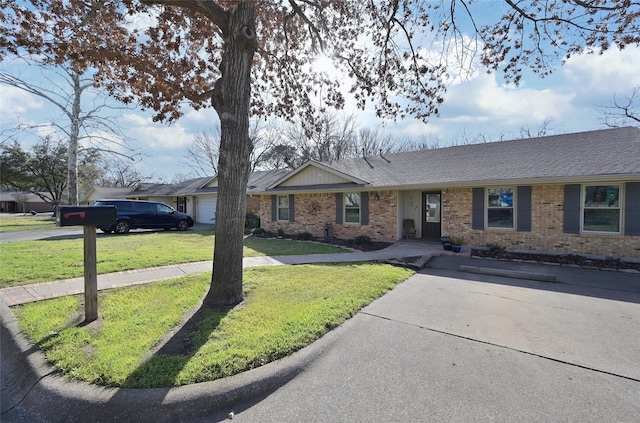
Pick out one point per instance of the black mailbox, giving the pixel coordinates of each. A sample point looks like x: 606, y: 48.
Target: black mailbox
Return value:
x: 86, y: 215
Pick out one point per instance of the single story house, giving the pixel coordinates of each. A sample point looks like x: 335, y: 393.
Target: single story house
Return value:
x: 197, y: 197
x: 573, y: 193
x: 22, y: 202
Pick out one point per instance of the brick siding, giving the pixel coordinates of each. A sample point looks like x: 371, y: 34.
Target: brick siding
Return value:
x: 314, y: 211
x: 547, y: 217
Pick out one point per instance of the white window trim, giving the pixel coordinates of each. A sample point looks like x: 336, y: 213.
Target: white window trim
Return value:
x: 344, y: 209
x: 278, y: 208
x: 513, y: 207
x: 621, y: 196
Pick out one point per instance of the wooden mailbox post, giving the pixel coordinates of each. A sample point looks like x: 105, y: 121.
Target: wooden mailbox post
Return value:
x: 89, y: 217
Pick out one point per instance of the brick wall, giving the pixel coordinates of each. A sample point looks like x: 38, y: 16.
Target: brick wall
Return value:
x: 314, y: 211
x: 546, y: 227
x: 253, y: 204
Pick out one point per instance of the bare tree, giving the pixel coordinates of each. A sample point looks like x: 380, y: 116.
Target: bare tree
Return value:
x: 542, y: 130
x: 624, y: 111
x: 202, y: 154
x: 86, y: 119
x: 330, y: 136
x: 119, y: 173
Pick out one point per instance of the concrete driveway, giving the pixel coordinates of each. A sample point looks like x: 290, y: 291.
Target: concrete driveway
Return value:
x: 449, y: 346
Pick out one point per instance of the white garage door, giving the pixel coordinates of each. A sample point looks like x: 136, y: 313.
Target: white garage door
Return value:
x: 206, y: 209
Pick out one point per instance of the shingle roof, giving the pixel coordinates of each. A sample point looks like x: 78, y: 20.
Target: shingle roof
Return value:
x: 602, y: 153
x: 260, y: 180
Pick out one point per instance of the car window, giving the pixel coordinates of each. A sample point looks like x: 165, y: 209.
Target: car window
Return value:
x: 123, y: 205
x: 164, y: 209
x: 145, y: 207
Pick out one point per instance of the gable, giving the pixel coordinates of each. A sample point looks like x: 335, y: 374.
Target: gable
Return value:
x: 212, y: 183
x: 313, y: 175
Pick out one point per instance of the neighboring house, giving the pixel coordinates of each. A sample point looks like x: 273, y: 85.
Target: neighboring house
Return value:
x: 22, y: 202
x: 197, y: 197
x: 573, y: 193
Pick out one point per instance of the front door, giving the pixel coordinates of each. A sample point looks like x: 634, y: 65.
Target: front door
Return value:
x: 431, y: 215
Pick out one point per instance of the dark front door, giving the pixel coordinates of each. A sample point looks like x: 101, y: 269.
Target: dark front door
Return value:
x: 431, y: 214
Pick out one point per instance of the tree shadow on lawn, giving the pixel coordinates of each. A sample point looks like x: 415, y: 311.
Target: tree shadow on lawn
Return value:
x: 163, y: 364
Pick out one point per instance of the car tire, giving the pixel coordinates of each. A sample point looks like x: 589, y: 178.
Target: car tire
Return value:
x: 182, y: 225
x: 122, y: 227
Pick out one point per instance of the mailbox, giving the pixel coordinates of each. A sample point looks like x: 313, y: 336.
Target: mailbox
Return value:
x: 86, y: 215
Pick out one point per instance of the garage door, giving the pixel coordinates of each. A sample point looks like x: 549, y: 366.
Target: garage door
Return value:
x: 206, y: 209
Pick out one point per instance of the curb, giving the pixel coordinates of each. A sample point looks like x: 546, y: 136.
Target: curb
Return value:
x: 35, y: 385
x: 543, y: 277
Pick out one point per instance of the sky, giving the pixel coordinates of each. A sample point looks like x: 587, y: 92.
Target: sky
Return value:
x: 569, y: 100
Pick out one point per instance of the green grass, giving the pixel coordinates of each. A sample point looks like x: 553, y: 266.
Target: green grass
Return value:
x: 286, y: 308
x: 26, y: 262
x: 26, y: 223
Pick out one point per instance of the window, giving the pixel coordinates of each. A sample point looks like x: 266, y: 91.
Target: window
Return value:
x: 352, y: 208
x: 283, y: 207
x: 164, y: 209
x: 601, y: 208
x: 500, y: 210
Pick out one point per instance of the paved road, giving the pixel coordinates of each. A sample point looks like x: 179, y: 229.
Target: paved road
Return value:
x: 447, y: 346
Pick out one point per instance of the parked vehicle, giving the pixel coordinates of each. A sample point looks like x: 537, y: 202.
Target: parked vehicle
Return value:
x: 139, y: 214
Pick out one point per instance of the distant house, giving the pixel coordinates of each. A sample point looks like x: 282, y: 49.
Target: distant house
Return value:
x: 197, y: 197
x: 572, y: 193
x: 22, y: 202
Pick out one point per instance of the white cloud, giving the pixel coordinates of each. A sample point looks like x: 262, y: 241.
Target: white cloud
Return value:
x: 483, y: 100
x: 206, y: 117
x: 606, y: 73
x: 15, y: 104
x: 146, y: 132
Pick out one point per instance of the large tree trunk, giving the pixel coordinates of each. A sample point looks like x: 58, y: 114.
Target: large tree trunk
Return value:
x: 231, y: 99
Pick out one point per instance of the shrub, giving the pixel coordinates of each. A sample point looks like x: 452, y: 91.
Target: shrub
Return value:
x: 251, y: 220
x: 496, y: 249
x: 259, y: 231
x: 362, y: 240
x: 280, y: 232
x: 457, y: 240
x: 305, y: 236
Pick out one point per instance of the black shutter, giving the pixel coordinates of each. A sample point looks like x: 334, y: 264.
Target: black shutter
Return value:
x: 572, y: 209
x: 291, y: 208
x: 338, y: 207
x: 477, y: 209
x: 632, y: 209
x: 523, y: 213
x: 274, y: 208
x: 364, y: 208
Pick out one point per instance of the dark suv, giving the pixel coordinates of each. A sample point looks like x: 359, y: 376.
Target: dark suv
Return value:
x: 138, y: 214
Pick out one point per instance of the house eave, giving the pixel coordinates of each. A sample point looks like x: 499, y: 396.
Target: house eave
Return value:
x: 633, y: 177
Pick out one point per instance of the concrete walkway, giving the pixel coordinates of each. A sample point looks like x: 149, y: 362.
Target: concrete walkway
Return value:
x: 41, y: 291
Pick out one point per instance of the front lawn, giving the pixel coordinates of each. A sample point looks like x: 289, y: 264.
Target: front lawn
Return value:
x: 286, y: 308
x: 12, y: 223
x: 26, y: 262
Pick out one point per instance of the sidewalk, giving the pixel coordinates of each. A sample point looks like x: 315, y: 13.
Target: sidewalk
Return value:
x: 41, y: 291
